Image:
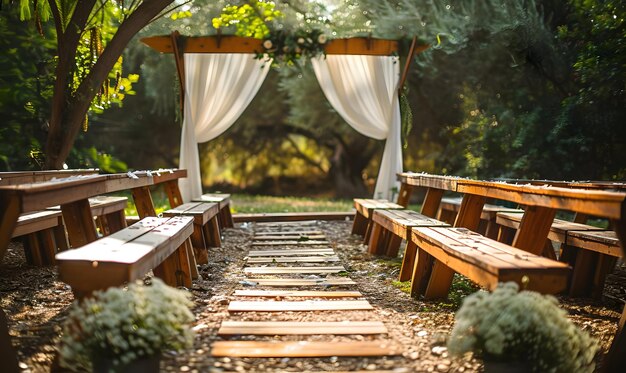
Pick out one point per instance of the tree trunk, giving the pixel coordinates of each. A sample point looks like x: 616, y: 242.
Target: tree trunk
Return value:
x: 347, y: 169
x: 68, y: 113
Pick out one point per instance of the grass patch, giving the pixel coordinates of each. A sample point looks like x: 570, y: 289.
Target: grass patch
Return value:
x: 243, y: 203
x: 461, y: 288
x: 404, y: 286
x: 390, y: 262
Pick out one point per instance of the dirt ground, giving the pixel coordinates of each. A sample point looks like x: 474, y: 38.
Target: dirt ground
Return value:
x: 36, y: 304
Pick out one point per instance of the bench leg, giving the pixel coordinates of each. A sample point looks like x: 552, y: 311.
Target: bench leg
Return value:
x: 582, y: 273
x: 359, y: 226
x: 81, y: 228
x: 32, y: 251
x: 393, y: 245
x: 199, y: 245
x: 8, y: 355
x: 604, y: 266
x: 49, y: 246
x: 173, y: 193
x: 60, y: 237
x: 492, y: 230
x: 184, y: 273
x: 213, y: 230
x: 376, y: 239
x: 431, y: 203
x: 406, y: 270
x: 422, y: 266
x: 116, y: 221
x: 440, y: 281
x: 229, y: 222
x: 405, y: 195
x: 506, y: 235
x: 143, y: 202
x: 174, y: 270
x: 193, y: 265
x: 548, y: 250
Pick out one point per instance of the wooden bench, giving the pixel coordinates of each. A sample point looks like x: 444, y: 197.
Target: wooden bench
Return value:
x: 364, y: 212
x: 390, y: 227
x: 206, y: 231
x: 108, y: 212
x: 44, y: 236
x: 433, y: 277
x: 444, y: 251
x: 592, y: 255
x: 159, y: 244
x: 223, y: 199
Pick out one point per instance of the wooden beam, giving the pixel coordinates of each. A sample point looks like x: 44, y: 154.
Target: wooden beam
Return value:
x: 239, y: 44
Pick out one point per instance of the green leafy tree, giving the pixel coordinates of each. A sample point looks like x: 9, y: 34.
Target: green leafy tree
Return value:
x: 90, y: 38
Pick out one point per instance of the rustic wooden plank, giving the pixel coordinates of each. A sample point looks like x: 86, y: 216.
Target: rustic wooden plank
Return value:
x: 301, y: 328
x: 307, y: 305
x: 303, y: 349
x: 297, y: 259
x: 287, y: 233
x: 290, y: 243
x: 366, y: 206
x: 288, y: 237
x: 297, y: 293
x: 292, y: 252
x: 293, y: 270
x: 285, y: 282
x: 292, y: 216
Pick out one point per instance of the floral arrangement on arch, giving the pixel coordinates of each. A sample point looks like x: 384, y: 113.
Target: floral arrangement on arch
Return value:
x: 119, y: 326
x: 288, y: 48
x: 508, y: 325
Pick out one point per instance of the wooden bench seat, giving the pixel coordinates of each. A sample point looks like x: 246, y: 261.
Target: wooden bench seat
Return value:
x: 591, y: 251
x: 44, y: 236
x: 449, y: 208
x: 364, y: 211
x: 223, y: 199
x: 159, y: 244
x: 481, y: 259
x: 206, y: 231
x: 390, y: 227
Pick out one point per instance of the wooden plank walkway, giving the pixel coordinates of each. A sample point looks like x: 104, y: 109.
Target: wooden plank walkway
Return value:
x: 281, y: 250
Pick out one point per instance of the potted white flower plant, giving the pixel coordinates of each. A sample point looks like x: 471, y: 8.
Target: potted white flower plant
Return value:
x: 124, y: 330
x: 522, y: 330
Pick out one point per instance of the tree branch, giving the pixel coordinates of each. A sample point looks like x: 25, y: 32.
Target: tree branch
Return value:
x: 305, y: 157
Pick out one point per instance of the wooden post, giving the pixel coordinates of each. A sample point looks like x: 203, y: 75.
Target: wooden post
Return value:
x: 407, y: 64
x: 180, y: 69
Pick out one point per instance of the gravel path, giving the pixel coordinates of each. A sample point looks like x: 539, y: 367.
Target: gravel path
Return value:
x: 36, y: 304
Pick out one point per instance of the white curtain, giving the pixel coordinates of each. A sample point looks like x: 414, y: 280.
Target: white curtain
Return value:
x: 218, y: 88
x: 364, y: 91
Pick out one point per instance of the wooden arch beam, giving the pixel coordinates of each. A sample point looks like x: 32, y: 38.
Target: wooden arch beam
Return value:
x: 239, y: 44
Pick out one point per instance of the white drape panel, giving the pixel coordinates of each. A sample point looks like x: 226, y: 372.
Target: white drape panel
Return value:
x: 364, y: 91
x: 218, y: 88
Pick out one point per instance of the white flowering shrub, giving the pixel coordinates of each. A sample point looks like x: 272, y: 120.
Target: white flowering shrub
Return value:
x: 121, y: 325
x: 512, y: 325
